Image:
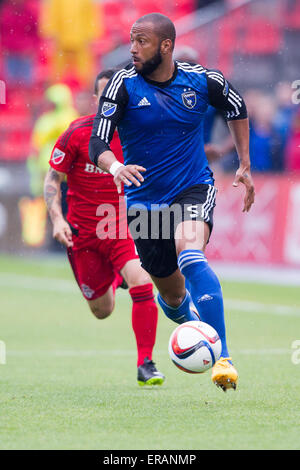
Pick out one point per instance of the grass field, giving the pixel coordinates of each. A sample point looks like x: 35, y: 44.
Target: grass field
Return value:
x: 69, y: 381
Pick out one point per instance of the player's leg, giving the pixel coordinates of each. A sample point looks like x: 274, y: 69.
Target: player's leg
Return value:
x: 174, y: 299
x: 158, y: 256
x: 144, y: 309
x: 95, y: 279
x: 204, y: 285
x: 191, y: 238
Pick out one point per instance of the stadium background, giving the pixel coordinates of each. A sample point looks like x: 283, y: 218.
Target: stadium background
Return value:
x: 255, y: 44
x: 62, y: 377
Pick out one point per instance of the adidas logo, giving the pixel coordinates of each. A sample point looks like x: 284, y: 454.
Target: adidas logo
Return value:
x: 204, y: 298
x: 144, y: 102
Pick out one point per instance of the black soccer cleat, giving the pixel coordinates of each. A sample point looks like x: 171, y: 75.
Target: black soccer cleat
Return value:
x: 148, y: 374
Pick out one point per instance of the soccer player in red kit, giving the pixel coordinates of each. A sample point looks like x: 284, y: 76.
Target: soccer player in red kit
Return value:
x: 99, y: 264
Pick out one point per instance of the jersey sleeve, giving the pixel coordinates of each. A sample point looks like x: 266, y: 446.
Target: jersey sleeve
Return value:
x: 64, y: 152
x: 112, y: 105
x: 223, y: 96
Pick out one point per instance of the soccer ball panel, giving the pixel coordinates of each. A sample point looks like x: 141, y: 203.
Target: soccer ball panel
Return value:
x: 194, y: 346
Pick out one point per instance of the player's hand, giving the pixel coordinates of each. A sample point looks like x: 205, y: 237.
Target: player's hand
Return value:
x: 62, y: 233
x: 244, y: 176
x: 128, y: 174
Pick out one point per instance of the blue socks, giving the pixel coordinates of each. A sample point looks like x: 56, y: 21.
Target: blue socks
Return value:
x: 205, y: 291
x: 179, y: 314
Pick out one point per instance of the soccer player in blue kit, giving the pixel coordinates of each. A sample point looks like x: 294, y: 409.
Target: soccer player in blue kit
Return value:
x: 158, y: 106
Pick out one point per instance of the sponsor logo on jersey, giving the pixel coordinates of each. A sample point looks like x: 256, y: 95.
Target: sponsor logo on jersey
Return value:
x: 108, y: 109
x: 91, y: 168
x: 88, y: 292
x: 189, y: 99
x: 57, y: 156
x: 144, y: 102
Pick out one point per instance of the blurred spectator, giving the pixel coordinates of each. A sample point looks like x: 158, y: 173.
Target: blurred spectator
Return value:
x: 285, y: 111
x: 19, y: 39
x: 265, y: 143
x: 73, y: 25
x: 204, y: 3
x: 292, y: 155
x: 49, y: 126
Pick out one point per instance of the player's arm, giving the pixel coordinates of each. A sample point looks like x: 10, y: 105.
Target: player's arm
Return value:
x: 110, y: 112
x: 52, y: 195
x: 224, y: 96
x: 217, y: 151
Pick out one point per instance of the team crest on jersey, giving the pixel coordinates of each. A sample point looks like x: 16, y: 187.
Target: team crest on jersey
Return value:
x: 88, y: 292
x: 57, y: 156
x: 108, y: 109
x: 189, y: 99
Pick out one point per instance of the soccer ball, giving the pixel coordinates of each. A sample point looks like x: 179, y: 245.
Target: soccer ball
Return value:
x: 194, y: 347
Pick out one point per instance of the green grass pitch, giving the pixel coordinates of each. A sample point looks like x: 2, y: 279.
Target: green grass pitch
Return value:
x: 69, y: 381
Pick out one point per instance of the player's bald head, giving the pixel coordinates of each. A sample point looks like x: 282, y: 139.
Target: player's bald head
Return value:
x: 162, y: 26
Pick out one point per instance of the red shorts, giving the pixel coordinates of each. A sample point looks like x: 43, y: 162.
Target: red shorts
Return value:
x: 94, y: 263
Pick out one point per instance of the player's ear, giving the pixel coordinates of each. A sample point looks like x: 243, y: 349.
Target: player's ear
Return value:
x: 96, y: 99
x: 166, y: 46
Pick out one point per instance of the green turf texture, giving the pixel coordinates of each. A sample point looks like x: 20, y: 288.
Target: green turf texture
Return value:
x: 70, y: 380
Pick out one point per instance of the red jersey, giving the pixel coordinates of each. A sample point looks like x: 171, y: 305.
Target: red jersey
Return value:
x: 88, y: 185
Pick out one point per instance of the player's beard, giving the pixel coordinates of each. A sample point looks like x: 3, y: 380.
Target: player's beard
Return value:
x: 151, y: 65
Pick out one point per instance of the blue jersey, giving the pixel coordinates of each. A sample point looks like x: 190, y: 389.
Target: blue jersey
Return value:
x: 161, y: 127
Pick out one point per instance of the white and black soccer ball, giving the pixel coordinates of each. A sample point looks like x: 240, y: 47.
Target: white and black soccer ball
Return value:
x: 194, y: 347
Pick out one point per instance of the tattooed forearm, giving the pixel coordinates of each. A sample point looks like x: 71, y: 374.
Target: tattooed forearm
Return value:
x: 54, y: 176
x: 50, y: 192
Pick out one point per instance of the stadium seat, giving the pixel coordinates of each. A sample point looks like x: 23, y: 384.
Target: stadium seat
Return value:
x: 291, y: 16
x: 261, y: 37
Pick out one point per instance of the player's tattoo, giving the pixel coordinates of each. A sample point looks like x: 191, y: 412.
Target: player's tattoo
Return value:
x: 49, y: 194
x: 54, y: 176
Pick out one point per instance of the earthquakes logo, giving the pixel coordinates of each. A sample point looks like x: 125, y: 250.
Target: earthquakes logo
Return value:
x: 189, y: 98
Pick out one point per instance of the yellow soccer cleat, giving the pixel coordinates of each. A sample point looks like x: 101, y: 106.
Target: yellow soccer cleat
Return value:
x: 224, y: 375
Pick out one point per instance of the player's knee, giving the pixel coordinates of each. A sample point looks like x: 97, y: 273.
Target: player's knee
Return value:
x: 173, y: 299
x: 140, y: 279
x: 135, y: 275
x: 101, y: 311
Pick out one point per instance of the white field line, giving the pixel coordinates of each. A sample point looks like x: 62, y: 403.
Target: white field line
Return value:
x: 16, y: 281
x: 127, y: 353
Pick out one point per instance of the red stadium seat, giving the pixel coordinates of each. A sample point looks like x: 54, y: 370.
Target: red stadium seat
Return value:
x: 261, y: 37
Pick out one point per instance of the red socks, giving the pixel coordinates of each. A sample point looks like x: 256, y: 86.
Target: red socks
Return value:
x: 144, y: 320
